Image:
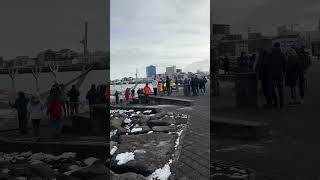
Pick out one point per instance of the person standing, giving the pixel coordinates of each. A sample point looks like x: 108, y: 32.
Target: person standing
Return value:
x: 243, y: 62
x: 160, y: 88
x: 226, y: 65
x: 168, y: 85
x: 304, y: 64
x: 278, y: 70
x: 55, y: 112
x: 171, y: 86
x: 252, y: 61
x: 21, y: 104
x: 132, y: 93
x: 204, y: 79
x: 117, y: 97
x: 292, y: 74
x: 196, y: 85
x: 35, y: 114
x: 74, y: 100
x: 154, y: 86
x: 66, y: 100
x: 92, y: 97
x: 147, y: 92
x: 264, y: 75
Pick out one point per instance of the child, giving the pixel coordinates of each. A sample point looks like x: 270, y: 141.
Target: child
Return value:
x: 35, y: 114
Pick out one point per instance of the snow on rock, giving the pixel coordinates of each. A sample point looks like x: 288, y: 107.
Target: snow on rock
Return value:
x: 127, y: 121
x: 140, y: 151
x: 113, y: 132
x: 74, y: 167
x: 178, y: 139
x: 123, y: 158
x: 150, y: 132
x: 136, y: 130
x: 89, y: 161
x: 26, y: 154
x: 113, y: 150
x: 147, y: 112
x: 161, y: 173
x: 35, y: 161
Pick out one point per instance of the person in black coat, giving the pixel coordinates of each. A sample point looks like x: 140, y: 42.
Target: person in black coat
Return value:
x: 277, y: 62
x: 21, y: 104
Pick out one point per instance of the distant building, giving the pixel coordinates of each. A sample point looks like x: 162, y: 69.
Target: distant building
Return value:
x: 178, y: 70
x: 287, y: 41
x: 220, y: 29
x: 151, y: 71
x: 170, y: 71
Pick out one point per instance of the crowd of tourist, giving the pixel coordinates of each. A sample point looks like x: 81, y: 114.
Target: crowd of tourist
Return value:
x: 58, y: 105
x: 276, y: 70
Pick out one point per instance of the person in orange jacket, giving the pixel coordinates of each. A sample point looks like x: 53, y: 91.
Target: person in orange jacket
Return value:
x: 147, y: 91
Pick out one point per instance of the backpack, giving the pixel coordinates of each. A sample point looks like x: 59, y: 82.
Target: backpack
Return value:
x: 57, y: 110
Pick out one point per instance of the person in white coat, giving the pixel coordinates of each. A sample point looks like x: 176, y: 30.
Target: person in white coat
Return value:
x: 154, y: 86
x: 35, y: 114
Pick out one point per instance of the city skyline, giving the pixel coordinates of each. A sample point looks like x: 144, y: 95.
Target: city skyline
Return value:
x: 264, y: 15
x: 176, y: 33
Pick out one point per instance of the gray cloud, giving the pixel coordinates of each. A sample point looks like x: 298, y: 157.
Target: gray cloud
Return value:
x: 147, y: 32
x: 266, y: 15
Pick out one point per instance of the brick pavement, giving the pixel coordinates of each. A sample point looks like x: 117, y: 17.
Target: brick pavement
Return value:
x: 194, y: 161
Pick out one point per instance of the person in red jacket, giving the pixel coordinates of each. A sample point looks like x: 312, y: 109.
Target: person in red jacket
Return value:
x: 55, y: 111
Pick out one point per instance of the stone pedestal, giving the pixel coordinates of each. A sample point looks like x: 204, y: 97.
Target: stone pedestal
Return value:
x: 99, y: 121
x: 247, y: 89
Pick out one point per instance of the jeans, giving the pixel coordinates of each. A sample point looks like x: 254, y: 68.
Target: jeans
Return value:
x: 56, y: 127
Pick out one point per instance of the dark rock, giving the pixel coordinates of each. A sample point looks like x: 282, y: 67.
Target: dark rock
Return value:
x: 20, y: 170
x: 103, y: 177
x: 116, y: 122
x: 91, y: 172
x: 129, y: 176
x: 166, y: 129
x: 158, y: 115
x: 65, y: 177
x: 158, y: 149
x: 36, y: 178
x: 142, y: 119
x: 165, y: 121
x: 4, y: 164
x: 42, y: 170
x: 182, y: 120
x: 4, y: 176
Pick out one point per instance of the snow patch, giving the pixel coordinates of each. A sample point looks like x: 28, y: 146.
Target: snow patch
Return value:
x: 150, y: 132
x: 113, y: 150
x: 136, y: 130
x: 161, y: 173
x: 123, y: 158
x: 127, y: 121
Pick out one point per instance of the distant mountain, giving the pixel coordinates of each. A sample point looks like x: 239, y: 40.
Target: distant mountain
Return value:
x: 198, y: 65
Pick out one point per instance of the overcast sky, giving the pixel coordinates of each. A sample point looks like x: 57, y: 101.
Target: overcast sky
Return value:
x: 266, y: 15
x: 158, y: 32
x: 28, y: 26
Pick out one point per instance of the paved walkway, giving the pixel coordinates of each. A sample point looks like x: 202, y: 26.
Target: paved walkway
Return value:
x: 194, y: 161
x: 292, y: 152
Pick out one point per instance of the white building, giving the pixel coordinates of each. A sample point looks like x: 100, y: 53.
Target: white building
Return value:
x: 170, y: 71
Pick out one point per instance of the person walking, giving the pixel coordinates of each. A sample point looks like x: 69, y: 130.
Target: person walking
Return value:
x: 74, y: 100
x: 20, y: 105
x: 278, y: 70
x: 92, y: 97
x: 204, y: 79
x: 55, y: 112
x: 154, y: 86
x: 292, y: 74
x: 252, y: 60
x: 168, y: 86
x: 35, y: 114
